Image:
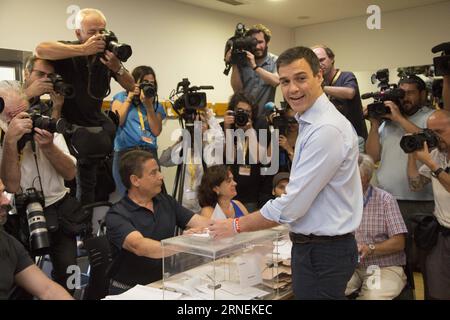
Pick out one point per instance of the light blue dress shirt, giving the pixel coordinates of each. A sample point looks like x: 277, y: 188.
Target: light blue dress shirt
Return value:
x: 324, y: 194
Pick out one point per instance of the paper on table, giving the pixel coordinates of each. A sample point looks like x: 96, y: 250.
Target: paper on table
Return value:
x: 139, y: 292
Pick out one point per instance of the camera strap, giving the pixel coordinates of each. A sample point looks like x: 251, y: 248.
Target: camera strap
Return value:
x: 336, y: 76
x: 33, y: 148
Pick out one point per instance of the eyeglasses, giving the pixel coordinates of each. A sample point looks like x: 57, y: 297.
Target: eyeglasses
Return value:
x: 41, y: 74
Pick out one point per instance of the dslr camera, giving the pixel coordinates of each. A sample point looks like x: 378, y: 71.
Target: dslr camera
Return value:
x: 148, y: 89
x: 388, y: 92
x: 241, y: 117
x: 277, y: 117
x: 31, y: 203
x: 42, y: 122
x: 412, y: 142
x: 442, y: 63
x: 60, y: 87
x: 239, y: 43
x: 121, y: 50
x: 189, y: 100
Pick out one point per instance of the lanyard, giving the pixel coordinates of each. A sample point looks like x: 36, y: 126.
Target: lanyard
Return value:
x: 192, y: 169
x: 141, y: 118
x: 369, y: 194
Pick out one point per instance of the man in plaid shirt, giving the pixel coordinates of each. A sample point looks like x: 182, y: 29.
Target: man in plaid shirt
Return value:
x: 381, y: 242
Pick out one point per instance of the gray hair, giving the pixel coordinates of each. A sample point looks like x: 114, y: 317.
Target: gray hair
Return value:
x: 86, y: 12
x: 13, y: 95
x: 366, y: 165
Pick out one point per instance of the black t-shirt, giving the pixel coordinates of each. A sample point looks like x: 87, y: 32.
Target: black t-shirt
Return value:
x: 13, y: 259
x: 83, y: 109
x: 351, y: 109
x: 125, y: 217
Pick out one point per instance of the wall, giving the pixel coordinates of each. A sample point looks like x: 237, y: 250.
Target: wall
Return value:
x: 406, y: 39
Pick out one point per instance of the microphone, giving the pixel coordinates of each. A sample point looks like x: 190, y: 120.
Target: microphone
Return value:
x: 269, y: 107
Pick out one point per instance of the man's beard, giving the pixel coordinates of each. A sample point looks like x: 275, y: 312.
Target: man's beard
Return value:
x: 263, y: 55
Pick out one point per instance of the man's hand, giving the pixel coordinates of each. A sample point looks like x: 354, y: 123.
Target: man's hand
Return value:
x: 94, y: 45
x: 283, y: 141
x: 363, y: 250
x: 43, y: 138
x: 228, y: 120
x: 251, y: 59
x: 57, y: 99
x: 395, y: 114
x: 19, y: 125
x: 111, y: 61
x: 423, y: 155
x: 221, y: 228
x: 39, y: 87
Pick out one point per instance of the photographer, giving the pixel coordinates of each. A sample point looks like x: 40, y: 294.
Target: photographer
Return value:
x: 252, y: 188
x: 342, y: 89
x: 140, y: 116
x: 37, y: 83
x: 259, y: 78
x: 44, y: 158
x: 435, y: 169
x: 18, y: 269
x: 88, y: 66
x: 383, y: 144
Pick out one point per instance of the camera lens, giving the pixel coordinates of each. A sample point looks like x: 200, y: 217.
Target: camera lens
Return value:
x: 38, y: 228
x: 241, y: 118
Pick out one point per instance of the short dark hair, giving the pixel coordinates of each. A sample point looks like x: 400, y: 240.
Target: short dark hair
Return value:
x: 140, y: 72
x: 31, y: 61
x: 297, y: 53
x: 413, y: 79
x: 257, y: 28
x: 132, y: 162
x: 240, y: 96
x: 212, y: 177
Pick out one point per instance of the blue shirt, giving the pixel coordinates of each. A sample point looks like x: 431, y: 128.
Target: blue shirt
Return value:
x: 130, y: 134
x: 324, y: 193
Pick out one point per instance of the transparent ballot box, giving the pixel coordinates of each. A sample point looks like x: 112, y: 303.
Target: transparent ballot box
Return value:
x: 242, y: 267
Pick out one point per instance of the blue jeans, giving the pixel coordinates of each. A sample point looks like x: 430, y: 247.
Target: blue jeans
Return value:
x: 321, y: 270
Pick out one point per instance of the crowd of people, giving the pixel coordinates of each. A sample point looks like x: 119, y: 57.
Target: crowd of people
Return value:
x: 342, y: 222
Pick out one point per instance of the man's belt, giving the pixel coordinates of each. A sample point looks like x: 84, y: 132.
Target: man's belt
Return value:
x: 301, y: 238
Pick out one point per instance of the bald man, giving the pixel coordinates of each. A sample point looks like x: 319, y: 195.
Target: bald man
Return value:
x: 435, y: 169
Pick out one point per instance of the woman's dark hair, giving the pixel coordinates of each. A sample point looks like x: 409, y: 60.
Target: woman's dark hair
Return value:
x: 140, y: 72
x: 212, y: 177
x: 242, y: 97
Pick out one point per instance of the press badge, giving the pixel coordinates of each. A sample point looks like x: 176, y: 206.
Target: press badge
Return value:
x: 244, y: 170
x: 146, y: 136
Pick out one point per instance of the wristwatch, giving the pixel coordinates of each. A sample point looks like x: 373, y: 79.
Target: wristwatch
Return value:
x: 121, y: 70
x: 437, y: 172
x: 371, y: 248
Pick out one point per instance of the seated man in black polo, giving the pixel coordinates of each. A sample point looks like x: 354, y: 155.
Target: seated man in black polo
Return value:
x: 137, y: 223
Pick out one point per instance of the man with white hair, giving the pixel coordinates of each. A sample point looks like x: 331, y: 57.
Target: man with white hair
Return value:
x: 42, y: 157
x: 87, y: 66
x: 381, y: 242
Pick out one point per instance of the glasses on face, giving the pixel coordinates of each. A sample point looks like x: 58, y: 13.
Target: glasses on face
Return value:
x: 41, y: 74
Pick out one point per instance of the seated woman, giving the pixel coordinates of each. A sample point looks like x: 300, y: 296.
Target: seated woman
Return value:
x: 216, y: 192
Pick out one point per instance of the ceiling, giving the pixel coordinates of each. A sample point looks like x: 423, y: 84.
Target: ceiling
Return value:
x: 295, y: 13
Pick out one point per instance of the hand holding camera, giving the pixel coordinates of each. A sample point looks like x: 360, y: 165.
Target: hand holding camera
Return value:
x: 111, y: 61
x: 20, y: 125
x: 423, y: 155
x: 394, y: 114
x: 94, y: 45
x: 43, y: 138
x: 39, y: 87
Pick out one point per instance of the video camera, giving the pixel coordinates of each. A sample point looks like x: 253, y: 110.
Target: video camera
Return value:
x: 442, y: 63
x: 239, y: 43
x: 121, y: 50
x: 31, y: 203
x: 277, y: 116
x: 190, y: 100
x: 412, y: 142
x: 388, y: 92
x: 60, y: 87
x: 42, y: 122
